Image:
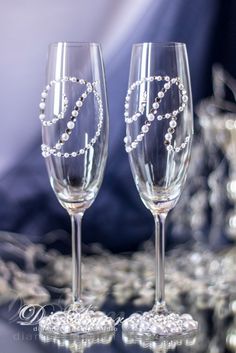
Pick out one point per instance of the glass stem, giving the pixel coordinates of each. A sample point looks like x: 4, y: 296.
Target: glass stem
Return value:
x: 76, y: 257
x: 160, y: 261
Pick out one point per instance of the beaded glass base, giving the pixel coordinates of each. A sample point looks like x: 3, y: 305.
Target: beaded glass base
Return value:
x: 164, y: 323
x: 78, y: 344
x: 161, y: 345
x: 76, y: 321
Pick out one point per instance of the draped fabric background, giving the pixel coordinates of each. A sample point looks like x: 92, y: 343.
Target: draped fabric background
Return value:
x: 117, y: 218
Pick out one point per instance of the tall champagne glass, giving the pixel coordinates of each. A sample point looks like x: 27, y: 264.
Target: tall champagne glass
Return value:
x: 159, y: 131
x: 74, y: 117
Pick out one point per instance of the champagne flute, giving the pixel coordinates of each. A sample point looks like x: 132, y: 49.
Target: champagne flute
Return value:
x: 159, y: 131
x: 74, y: 117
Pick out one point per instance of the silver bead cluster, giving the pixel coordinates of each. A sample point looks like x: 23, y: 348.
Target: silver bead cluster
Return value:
x: 162, y: 344
x: 153, y: 113
x: 56, y: 149
x: 77, y: 343
x: 76, y: 321
x: 154, y: 324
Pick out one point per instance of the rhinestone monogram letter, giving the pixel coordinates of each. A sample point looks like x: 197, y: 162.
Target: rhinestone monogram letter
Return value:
x: 65, y: 136
x: 153, y: 113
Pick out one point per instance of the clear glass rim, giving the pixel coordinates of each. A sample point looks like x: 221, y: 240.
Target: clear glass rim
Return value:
x: 160, y: 44
x: 75, y: 44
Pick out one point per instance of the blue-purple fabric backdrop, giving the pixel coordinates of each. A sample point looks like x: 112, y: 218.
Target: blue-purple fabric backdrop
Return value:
x: 117, y: 218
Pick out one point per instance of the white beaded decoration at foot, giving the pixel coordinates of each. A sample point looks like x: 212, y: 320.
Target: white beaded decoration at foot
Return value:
x: 65, y: 136
x: 76, y: 321
x: 152, y: 324
x: 153, y: 113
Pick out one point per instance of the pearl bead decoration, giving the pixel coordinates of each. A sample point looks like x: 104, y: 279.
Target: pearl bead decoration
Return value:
x: 153, y: 113
x: 76, y: 321
x: 65, y: 136
x: 154, y: 324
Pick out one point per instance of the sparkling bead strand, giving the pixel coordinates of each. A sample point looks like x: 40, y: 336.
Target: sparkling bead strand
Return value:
x: 55, y: 150
x: 130, y: 145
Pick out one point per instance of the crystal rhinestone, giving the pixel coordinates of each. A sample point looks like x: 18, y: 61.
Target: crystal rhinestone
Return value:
x: 159, y: 78
x: 186, y: 317
x: 66, y: 155
x: 175, y: 112
x: 125, y: 139
x: 93, y: 140
x: 160, y: 94
x: 173, y: 124
x: 150, y: 117
x: 159, y: 117
x: 173, y: 80
x: 79, y: 103
x: 181, y: 108
x: 42, y: 105
x: 177, y: 149
x: 70, y: 125
x: 125, y: 324
x: 167, y: 115
x: 82, y: 82
x: 64, y: 137
x: 183, y: 145
x: 58, y: 146
x: 54, y: 120
x: 74, y: 113
x: 187, y: 138
x: 181, y: 86
x: 126, y: 105
x: 167, y: 85
x: 45, y: 154
x: 134, y: 144
x: 155, y: 105
x: 42, y: 117
x: 44, y: 94
x: 167, y: 78
x: 193, y: 325
x: 84, y: 95
x: 74, y: 154
x: 139, y: 137
x: 42, y: 322
x: 145, y: 129
x: 126, y: 114
x: 73, y: 79
x: 65, y: 329
x: 128, y: 149
x: 184, y: 98
x: 81, y: 151
x: 89, y: 89
x: 169, y: 148
x: 127, y: 99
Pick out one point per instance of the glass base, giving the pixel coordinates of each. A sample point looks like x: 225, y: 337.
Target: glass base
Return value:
x: 78, y: 343
x: 159, y: 322
x: 162, y: 344
x: 76, y: 320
